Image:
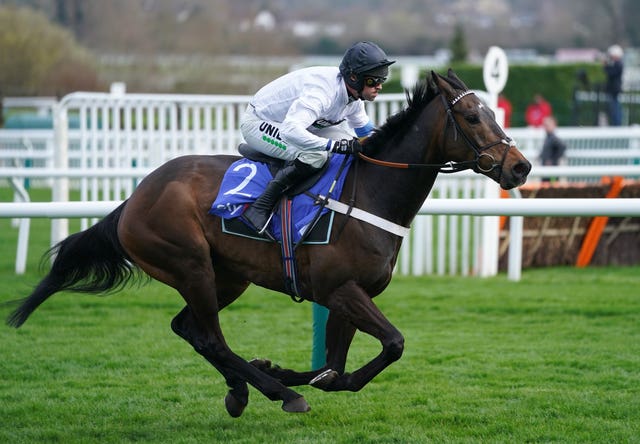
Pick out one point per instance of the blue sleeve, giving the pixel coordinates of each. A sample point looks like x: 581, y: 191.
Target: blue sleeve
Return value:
x: 364, y: 131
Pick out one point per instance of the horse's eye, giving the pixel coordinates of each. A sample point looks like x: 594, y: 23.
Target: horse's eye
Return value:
x: 473, y: 119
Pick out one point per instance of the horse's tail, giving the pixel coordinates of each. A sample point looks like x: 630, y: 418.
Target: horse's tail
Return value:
x: 92, y: 261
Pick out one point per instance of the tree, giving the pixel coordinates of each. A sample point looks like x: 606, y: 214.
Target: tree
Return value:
x: 458, y: 45
x: 39, y: 57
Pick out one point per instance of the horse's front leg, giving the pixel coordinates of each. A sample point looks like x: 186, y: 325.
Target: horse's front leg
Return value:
x: 339, y: 334
x: 354, y: 305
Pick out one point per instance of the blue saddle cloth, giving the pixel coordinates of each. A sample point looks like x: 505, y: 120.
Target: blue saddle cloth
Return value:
x: 245, y: 180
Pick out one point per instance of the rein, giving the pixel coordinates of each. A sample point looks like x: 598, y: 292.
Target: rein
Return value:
x: 447, y: 167
x: 451, y: 166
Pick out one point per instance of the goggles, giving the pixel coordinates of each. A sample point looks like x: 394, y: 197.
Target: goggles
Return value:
x: 373, y: 81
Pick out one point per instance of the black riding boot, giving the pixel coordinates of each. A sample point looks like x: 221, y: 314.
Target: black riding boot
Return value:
x: 259, y: 213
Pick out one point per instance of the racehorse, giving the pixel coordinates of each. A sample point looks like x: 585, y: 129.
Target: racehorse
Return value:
x: 164, y: 229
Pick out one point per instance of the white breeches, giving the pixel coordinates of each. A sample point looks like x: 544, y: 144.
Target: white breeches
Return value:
x: 264, y: 136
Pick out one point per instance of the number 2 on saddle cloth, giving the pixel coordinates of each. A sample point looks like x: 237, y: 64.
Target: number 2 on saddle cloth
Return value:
x: 245, y: 180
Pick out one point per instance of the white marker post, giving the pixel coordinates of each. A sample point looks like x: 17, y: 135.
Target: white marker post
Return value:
x: 495, y: 73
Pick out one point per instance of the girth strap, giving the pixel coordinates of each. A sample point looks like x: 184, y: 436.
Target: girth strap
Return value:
x: 365, y: 216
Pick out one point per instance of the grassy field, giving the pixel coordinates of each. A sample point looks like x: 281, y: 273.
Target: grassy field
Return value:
x: 553, y: 358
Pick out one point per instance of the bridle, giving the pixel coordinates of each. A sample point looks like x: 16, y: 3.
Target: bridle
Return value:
x: 478, y: 150
x: 453, y: 167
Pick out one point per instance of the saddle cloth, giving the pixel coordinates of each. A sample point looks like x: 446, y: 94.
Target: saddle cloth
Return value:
x: 245, y: 180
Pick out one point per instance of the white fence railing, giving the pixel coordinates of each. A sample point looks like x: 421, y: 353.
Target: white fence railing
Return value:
x: 433, y: 207
x: 455, y: 249
x: 120, y: 138
x: 585, y: 145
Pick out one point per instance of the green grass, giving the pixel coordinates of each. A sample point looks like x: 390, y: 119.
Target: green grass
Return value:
x: 553, y: 358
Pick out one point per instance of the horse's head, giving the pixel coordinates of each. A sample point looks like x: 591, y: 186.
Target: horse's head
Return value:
x: 472, y: 136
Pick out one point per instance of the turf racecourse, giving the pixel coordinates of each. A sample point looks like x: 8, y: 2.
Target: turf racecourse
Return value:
x: 553, y: 358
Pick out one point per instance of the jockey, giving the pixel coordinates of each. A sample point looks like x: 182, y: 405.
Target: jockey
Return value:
x: 307, y: 114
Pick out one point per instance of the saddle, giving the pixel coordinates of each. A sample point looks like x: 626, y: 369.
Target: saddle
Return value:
x: 276, y: 164
x: 245, y: 179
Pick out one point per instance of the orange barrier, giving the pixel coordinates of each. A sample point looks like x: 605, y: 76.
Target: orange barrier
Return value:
x: 597, y: 225
x: 503, y: 219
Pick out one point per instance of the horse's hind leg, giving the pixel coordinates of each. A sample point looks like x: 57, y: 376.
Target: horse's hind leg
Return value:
x: 198, y: 288
x: 238, y: 396
x: 185, y: 326
x: 165, y: 237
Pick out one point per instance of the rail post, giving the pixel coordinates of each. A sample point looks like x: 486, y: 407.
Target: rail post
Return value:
x: 60, y: 191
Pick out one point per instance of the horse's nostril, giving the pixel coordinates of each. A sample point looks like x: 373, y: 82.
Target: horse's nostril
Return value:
x: 522, y: 168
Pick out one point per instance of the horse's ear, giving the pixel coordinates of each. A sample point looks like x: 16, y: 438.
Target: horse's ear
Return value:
x: 452, y: 75
x: 437, y: 78
x: 443, y: 85
x: 431, y: 82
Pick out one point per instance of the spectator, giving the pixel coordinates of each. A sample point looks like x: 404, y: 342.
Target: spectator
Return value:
x: 553, y: 148
x: 505, y: 104
x: 537, y: 111
x: 613, y: 68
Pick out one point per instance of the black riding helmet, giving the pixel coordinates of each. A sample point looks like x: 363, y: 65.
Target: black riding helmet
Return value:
x: 364, y: 59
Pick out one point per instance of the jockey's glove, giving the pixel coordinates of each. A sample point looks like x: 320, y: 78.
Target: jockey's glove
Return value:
x: 346, y: 146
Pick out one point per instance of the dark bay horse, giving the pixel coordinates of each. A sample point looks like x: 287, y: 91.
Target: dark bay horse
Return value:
x: 164, y: 230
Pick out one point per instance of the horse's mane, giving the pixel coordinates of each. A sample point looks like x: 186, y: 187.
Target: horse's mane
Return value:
x: 423, y: 93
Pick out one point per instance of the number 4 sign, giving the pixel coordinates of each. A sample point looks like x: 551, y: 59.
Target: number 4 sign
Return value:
x: 495, y: 70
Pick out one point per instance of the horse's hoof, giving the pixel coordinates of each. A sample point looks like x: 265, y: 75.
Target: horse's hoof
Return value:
x: 324, y: 379
x: 262, y: 364
x: 298, y: 405
x: 233, y: 405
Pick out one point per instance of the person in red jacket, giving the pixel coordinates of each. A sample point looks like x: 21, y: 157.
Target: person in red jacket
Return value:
x: 537, y: 111
x: 505, y: 104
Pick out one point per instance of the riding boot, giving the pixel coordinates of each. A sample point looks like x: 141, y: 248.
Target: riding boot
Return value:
x: 259, y: 213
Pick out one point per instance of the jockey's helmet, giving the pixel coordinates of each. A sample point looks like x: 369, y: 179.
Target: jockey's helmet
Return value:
x: 364, y: 59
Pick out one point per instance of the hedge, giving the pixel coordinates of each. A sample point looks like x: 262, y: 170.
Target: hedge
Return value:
x: 556, y: 83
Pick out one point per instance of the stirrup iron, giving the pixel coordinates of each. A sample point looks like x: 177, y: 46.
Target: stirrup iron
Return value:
x: 266, y: 224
